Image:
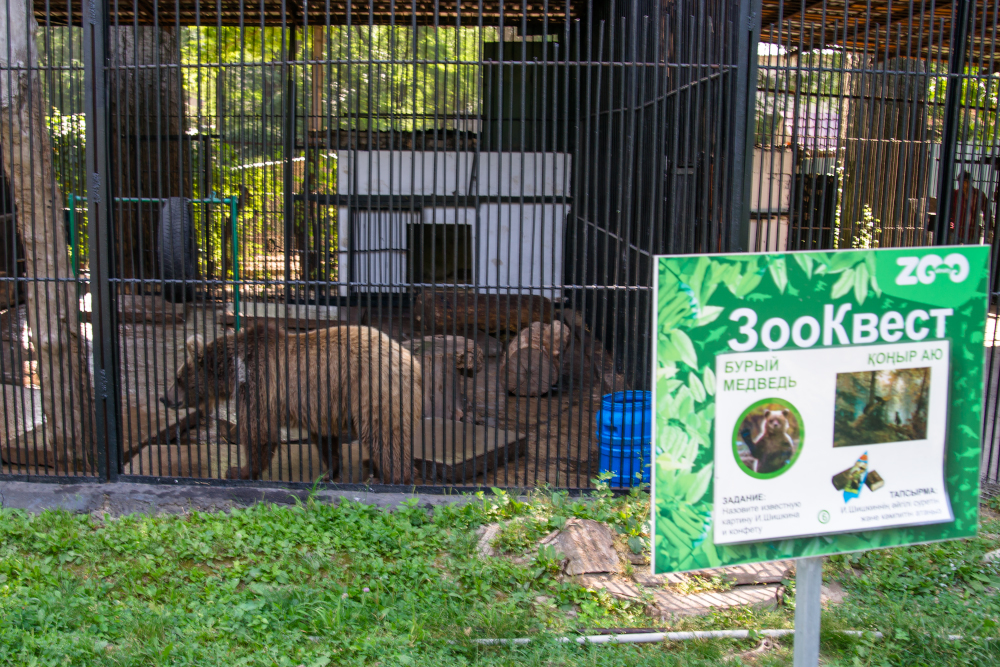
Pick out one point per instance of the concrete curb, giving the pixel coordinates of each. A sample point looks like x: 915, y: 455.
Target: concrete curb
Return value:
x: 122, y: 498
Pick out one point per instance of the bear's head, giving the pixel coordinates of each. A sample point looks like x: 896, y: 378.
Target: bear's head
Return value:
x: 212, y: 370
x: 776, y: 422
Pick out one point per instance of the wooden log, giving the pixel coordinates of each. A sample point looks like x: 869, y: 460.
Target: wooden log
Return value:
x: 503, y: 316
x: 443, y: 362
x: 462, y: 353
x: 139, y: 309
x: 534, y: 359
x: 465, y: 312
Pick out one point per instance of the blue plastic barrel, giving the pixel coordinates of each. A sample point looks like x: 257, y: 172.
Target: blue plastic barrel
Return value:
x: 625, y: 435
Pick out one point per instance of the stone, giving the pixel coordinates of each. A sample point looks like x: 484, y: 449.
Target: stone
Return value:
x: 832, y: 593
x: 991, y: 556
x: 486, y: 535
x: 587, y: 545
x: 656, y: 580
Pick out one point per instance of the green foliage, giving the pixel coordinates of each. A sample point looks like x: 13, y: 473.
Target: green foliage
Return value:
x: 917, y: 596
x: 518, y: 535
x: 926, y: 569
x: 351, y: 584
x: 347, y: 584
x: 868, y: 229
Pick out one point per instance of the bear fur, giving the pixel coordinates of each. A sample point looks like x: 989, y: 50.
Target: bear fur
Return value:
x: 773, y: 447
x: 328, y: 381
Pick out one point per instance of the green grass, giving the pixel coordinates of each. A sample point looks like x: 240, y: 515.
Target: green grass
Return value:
x: 354, y: 585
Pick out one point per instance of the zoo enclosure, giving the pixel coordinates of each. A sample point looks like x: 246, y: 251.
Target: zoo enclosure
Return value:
x: 388, y: 156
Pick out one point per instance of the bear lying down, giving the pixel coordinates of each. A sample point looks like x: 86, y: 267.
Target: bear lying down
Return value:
x: 341, y: 378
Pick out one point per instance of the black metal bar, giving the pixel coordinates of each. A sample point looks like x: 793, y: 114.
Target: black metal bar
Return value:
x: 649, y: 104
x: 952, y: 119
x: 288, y: 150
x: 106, y: 383
x: 415, y: 203
x: 743, y: 127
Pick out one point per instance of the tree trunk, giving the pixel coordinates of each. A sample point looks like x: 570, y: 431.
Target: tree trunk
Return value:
x: 53, y: 309
x: 149, y: 156
x: 534, y: 359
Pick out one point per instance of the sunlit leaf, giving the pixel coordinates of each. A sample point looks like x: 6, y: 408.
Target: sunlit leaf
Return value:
x: 708, y: 315
x: 843, y: 285
x: 699, y: 485
x: 697, y: 388
x: 805, y: 262
x: 779, y: 273
x: 684, y: 348
x: 709, y: 380
x: 861, y: 283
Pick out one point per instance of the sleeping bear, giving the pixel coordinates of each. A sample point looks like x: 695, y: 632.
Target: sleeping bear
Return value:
x: 327, y: 381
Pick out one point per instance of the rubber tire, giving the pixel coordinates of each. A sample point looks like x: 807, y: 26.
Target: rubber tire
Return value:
x: 176, y: 249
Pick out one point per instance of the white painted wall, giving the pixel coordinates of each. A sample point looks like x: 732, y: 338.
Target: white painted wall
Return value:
x: 450, y: 173
x: 769, y: 234
x: 515, y: 245
x: 772, y: 181
x: 522, y: 247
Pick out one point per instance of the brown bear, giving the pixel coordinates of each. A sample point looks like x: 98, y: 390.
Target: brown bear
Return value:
x: 328, y: 381
x: 774, y: 447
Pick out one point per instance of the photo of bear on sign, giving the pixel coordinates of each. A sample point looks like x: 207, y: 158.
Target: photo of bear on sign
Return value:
x: 768, y: 438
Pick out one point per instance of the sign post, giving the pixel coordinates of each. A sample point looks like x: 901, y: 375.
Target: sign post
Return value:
x: 808, y: 583
x: 815, y: 403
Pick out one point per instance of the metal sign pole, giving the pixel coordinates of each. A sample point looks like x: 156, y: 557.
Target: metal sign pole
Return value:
x: 808, y: 581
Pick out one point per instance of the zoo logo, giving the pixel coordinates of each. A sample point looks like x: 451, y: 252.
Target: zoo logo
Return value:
x: 926, y: 269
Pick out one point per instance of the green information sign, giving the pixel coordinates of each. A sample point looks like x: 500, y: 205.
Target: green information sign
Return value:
x: 815, y: 403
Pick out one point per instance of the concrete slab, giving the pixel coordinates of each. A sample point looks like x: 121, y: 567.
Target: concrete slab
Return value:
x: 667, y: 603
x: 122, y: 498
x: 21, y: 419
x: 457, y: 451
x: 740, y: 575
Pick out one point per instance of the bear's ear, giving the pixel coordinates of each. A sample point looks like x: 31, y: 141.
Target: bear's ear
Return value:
x: 785, y: 412
x: 194, y: 343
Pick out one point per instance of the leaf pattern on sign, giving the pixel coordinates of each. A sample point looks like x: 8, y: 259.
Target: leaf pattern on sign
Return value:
x: 685, y: 411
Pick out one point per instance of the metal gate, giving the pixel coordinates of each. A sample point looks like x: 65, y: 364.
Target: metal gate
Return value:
x: 477, y: 188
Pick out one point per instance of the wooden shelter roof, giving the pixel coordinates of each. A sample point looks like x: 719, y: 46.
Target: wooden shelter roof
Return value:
x: 277, y: 13
x: 921, y: 29
x: 882, y: 28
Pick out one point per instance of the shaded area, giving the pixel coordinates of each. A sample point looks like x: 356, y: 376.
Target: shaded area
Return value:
x: 874, y: 407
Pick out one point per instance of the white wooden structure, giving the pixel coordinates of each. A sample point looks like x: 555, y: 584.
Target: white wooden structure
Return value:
x: 513, y: 204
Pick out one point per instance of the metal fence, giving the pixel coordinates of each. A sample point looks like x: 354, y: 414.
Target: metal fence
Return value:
x: 411, y: 243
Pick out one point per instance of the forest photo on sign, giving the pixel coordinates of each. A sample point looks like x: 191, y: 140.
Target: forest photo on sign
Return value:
x: 881, y: 406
